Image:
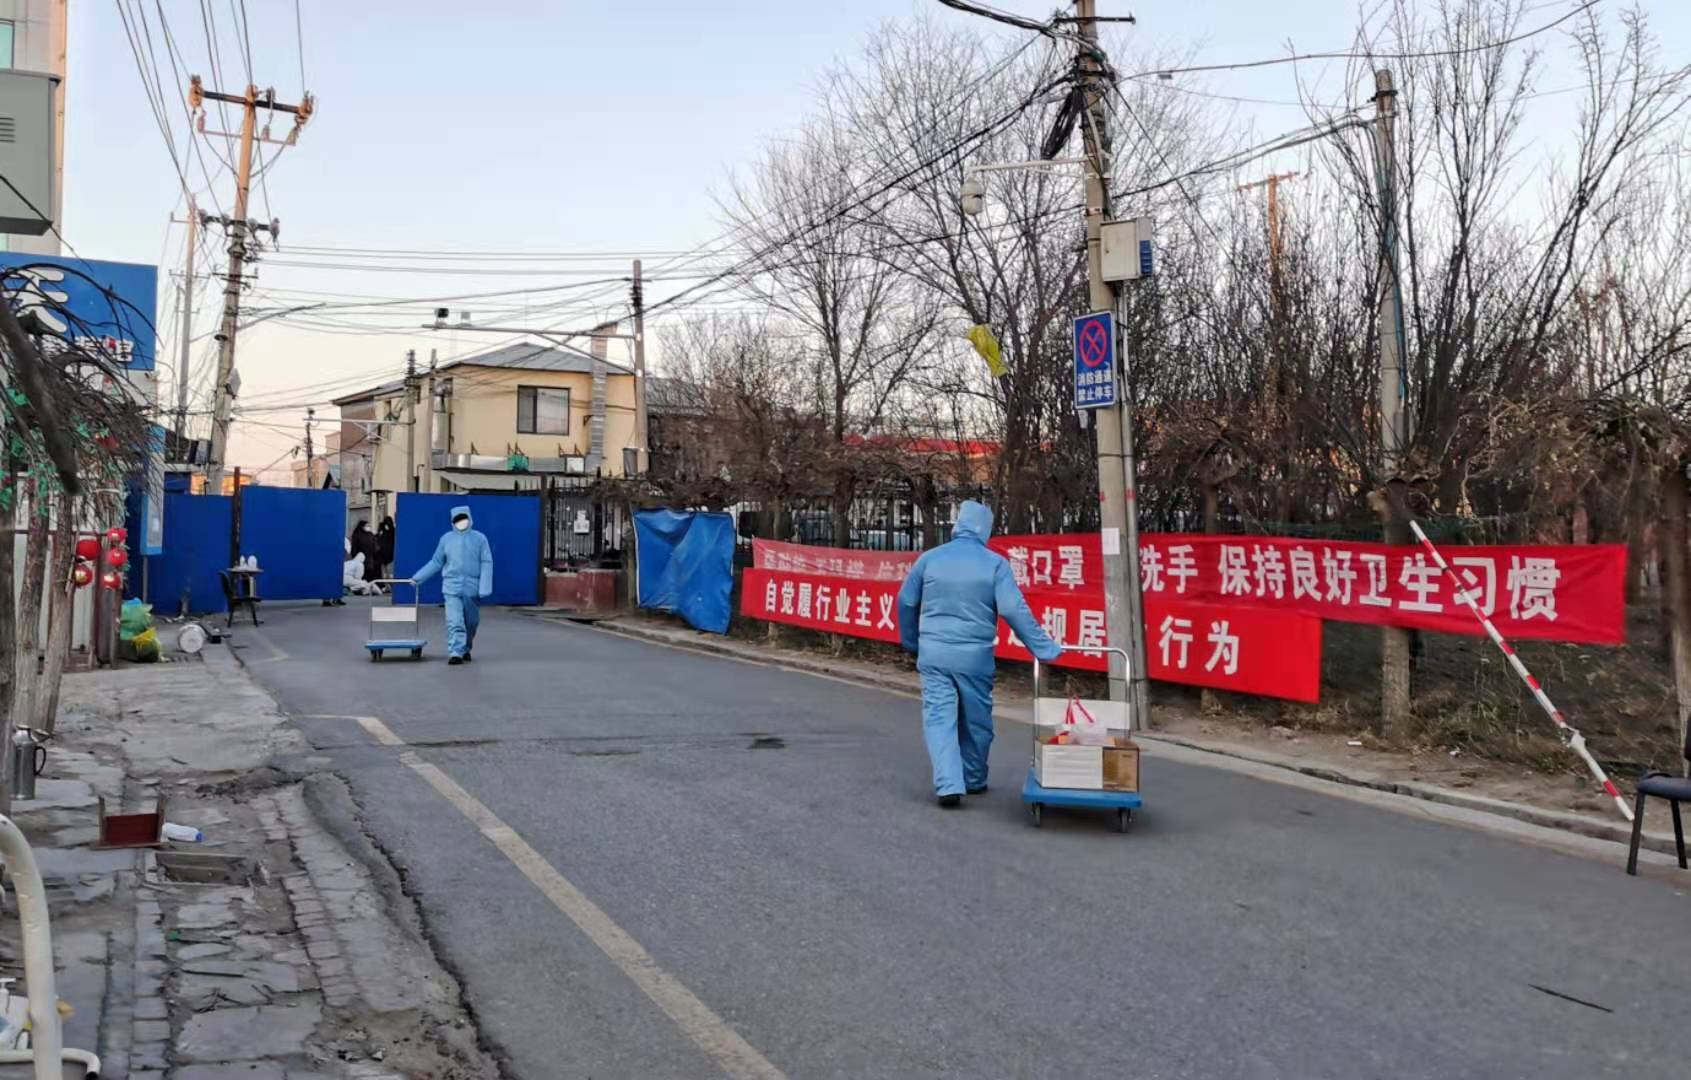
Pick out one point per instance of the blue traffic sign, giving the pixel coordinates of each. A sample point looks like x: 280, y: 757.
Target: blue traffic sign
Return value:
x: 1095, y: 361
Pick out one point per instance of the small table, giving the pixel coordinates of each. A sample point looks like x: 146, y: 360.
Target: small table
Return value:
x: 240, y: 589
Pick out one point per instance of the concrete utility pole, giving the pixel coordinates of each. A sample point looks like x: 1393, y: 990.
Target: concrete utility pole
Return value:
x: 186, y: 331
x: 410, y: 419
x: 1118, y: 514
x: 238, y: 228
x: 310, y: 472
x: 1394, y: 429
x: 643, y: 448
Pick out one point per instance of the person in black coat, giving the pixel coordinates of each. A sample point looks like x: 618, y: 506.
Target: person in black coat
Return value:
x: 385, y: 537
x: 364, y: 543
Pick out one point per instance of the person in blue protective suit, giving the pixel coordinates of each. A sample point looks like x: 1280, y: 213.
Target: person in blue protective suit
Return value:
x: 464, y: 561
x: 948, y: 612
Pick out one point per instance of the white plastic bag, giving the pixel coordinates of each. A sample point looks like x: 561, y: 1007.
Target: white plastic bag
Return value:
x: 1083, y: 728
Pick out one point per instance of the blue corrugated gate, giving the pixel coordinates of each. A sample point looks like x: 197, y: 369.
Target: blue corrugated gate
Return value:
x: 296, y: 535
x: 196, y: 547
x: 511, y: 524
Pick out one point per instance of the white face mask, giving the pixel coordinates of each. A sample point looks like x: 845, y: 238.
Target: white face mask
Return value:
x: 462, y: 524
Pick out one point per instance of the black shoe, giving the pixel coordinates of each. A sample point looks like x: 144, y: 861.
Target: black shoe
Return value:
x: 454, y: 661
x: 467, y: 656
x: 978, y: 790
x: 951, y: 802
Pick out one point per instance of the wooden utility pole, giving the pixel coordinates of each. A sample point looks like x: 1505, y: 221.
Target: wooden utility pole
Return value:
x: 427, y: 482
x: 643, y: 449
x: 1394, y: 429
x: 186, y: 331
x: 239, y: 229
x: 1272, y: 183
x: 410, y: 419
x: 310, y: 464
x: 1118, y: 514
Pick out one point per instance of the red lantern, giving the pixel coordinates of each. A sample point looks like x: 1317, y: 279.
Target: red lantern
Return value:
x: 88, y: 549
x: 83, y: 575
x: 116, y: 535
x: 111, y: 579
x: 116, y: 557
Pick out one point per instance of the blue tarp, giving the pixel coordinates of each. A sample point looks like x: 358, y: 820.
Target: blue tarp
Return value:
x: 511, y: 524
x: 686, y: 565
x: 296, y: 534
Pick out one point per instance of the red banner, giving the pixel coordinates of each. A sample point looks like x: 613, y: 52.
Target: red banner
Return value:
x: 1573, y: 593
x: 1243, y: 649
x: 1570, y: 593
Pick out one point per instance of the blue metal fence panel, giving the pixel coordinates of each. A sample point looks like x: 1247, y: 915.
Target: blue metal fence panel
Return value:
x: 511, y: 524
x: 196, y: 547
x: 296, y: 533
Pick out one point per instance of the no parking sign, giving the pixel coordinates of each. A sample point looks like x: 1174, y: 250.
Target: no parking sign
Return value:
x: 1095, y: 361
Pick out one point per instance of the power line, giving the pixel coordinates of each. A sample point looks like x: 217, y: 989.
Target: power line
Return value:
x: 1348, y: 54
x: 246, y: 37
x: 299, y: 38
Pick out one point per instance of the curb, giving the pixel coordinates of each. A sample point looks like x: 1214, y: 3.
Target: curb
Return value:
x: 1578, y: 824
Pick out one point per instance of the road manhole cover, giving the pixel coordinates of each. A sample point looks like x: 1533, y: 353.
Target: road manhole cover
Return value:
x: 195, y: 868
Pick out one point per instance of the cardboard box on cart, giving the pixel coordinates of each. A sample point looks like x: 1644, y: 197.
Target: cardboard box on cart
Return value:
x: 1098, y: 768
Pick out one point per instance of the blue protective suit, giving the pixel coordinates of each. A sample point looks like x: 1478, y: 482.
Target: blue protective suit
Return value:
x: 948, y: 612
x: 464, y: 562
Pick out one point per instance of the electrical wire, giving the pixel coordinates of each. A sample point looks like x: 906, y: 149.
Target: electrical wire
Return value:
x: 1348, y: 54
x: 299, y: 39
x: 246, y: 37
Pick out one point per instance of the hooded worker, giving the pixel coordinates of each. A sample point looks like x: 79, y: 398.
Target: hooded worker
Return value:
x: 948, y: 612
x: 464, y: 561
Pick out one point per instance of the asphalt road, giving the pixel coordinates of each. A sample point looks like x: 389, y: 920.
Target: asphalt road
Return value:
x: 811, y: 895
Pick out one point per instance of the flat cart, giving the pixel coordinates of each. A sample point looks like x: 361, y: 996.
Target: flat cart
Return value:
x: 1049, y: 712
x: 395, y: 625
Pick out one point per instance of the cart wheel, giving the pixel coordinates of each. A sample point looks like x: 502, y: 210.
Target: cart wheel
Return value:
x: 416, y: 654
x: 1124, y: 818
x: 1037, y: 810
x: 375, y: 655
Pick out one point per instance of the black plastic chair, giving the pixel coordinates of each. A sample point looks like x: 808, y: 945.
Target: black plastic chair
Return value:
x: 1675, y: 789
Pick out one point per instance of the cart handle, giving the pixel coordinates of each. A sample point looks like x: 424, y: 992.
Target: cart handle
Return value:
x: 1126, y: 661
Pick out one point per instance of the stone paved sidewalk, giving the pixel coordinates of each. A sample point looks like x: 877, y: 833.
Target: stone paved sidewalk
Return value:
x: 297, y: 955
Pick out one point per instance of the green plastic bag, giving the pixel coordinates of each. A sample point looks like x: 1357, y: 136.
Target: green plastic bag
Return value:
x: 134, y: 618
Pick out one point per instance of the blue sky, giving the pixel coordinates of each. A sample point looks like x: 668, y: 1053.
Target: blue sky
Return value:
x: 519, y: 125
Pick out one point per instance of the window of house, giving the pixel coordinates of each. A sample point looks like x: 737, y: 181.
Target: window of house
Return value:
x: 7, y: 36
x: 543, y: 410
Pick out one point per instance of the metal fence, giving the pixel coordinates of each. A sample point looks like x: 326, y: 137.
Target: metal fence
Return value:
x: 583, y: 527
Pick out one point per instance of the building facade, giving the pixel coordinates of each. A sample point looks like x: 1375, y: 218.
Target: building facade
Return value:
x: 502, y: 420
x: 33, y: 38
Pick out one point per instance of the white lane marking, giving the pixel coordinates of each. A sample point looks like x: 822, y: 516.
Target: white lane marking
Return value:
x: 712, y: 1034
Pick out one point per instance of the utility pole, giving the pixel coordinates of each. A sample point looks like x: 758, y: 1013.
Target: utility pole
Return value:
x: 410, y: 419
x: 1118, y: 514
x: 238, y: 228
x: 1394, y: 641
x: 643, y: 449
x: 310, y: 466
x: 1272, y: 183
x: 186, y: 331
x: 1288, y: 381
x: 427, y: 483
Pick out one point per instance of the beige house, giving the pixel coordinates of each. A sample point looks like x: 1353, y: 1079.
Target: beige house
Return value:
x: 502, y: 420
